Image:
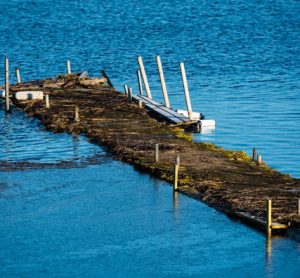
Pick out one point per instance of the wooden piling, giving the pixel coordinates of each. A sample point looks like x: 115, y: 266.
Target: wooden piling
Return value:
x: 18, y: 76
x: 106, y: 77
x: 269, y: 217
x: 299, y: 206
x: 68, y: 67
x: 47, y: 101
x: 126, y: 89
x: 254, y: 154
x: 176, y: 172
x: 129, y: 99
x: 140, y: 102
x: 76, y: 116
x: 6, y: 66
x: 138, y: 72
x: 144, y: 76
x: 162, y: 82
x: 259, y: 159
x: 156, y: 152
x: 186, y: 91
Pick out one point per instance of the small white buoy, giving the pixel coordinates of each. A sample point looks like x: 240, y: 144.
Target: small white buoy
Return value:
x: 29, y: 95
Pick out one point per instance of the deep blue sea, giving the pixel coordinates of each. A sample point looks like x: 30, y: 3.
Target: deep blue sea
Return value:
x: 242, y: 60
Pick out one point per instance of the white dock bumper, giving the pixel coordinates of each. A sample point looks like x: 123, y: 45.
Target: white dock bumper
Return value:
x: 29, y: 95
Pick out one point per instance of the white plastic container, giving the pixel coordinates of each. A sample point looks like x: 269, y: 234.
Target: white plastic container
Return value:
x: 195, y: 115
x: 207, y: 123
x: 2, y: 93
x: 29, y: 95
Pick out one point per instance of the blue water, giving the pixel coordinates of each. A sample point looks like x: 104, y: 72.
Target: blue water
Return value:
x: 242, y: 62
x: 242, y: 59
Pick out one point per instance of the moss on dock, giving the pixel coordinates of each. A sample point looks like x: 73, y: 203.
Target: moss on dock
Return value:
x: 227, y: 180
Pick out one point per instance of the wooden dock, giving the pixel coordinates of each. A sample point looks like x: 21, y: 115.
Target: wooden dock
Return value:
x: 167, y: 114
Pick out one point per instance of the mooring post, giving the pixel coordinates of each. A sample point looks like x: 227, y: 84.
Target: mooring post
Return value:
x: 18, y: 76
x: 186, y: 91
x: 76, y: 116
x: 6, y: 66
x: 126, y: 89
x: 103, y: 72
x: 140, y: 103
x: 129, y: 99
x: 138, y: 72
x: 254, y: 154
x: 144, y: 76
x: 162, y: 81
x: 156, y: 152
x: 47, y: 100
x: 259, y: 159
x: 176, y: 172
x: 299, y: 206
x: 68, y: 67
x: 269, y: 217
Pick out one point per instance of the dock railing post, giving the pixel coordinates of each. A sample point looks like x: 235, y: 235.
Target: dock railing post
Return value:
x: 6, y: 66
x: 18, y: 76
x: 156, y: 152
x: 68, y: 67
x: 186, y: 91
x: 269, y: 217
x: 162, y: 82
x: 126, y: 89
x: 176, y: 172
x: 138, y: 72
x: 144, y: 76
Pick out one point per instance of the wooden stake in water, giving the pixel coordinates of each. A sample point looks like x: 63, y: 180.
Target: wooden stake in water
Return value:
x: 162, y: 82
x: 126, y: 89
x: 68, y: 67
x: 138, y: 72
x: 299, y: 206
x: 259, y: 159
x: 269, y: 217
x: 6, y: 66
x: 129, y: 100
x: 18, y: 76
x: 176, y: 172
x: 156, y: 152
x: 47, y: 101
x: 76, y: 116
x: 254, y: 154
x: 186, y: 91
x: 144, y: 76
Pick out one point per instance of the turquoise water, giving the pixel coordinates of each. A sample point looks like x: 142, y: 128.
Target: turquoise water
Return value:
x: 99, y: 217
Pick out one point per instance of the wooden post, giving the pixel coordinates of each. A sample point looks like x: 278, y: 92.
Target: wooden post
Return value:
x: 163, y: 82
x: 68, y: 67
x: 176, y: 172
x: 259, y: 159
x: 138, y: 72
x: 144, y: 76
x: 126, y: 89
x: 299, y: 206
x: 47, y: 100
x: 76, y: 116
x: 107, y: 78
x: 6, y: 66
x: 140, y: 103
x: 186, y: 91
x: 18, y: 76
x: 156, y: 152
x: 129, y: 99
x: 254, y: 154
x: 269, y: 217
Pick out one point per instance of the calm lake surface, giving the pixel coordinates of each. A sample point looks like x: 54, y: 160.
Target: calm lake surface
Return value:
x: 243, y: 65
